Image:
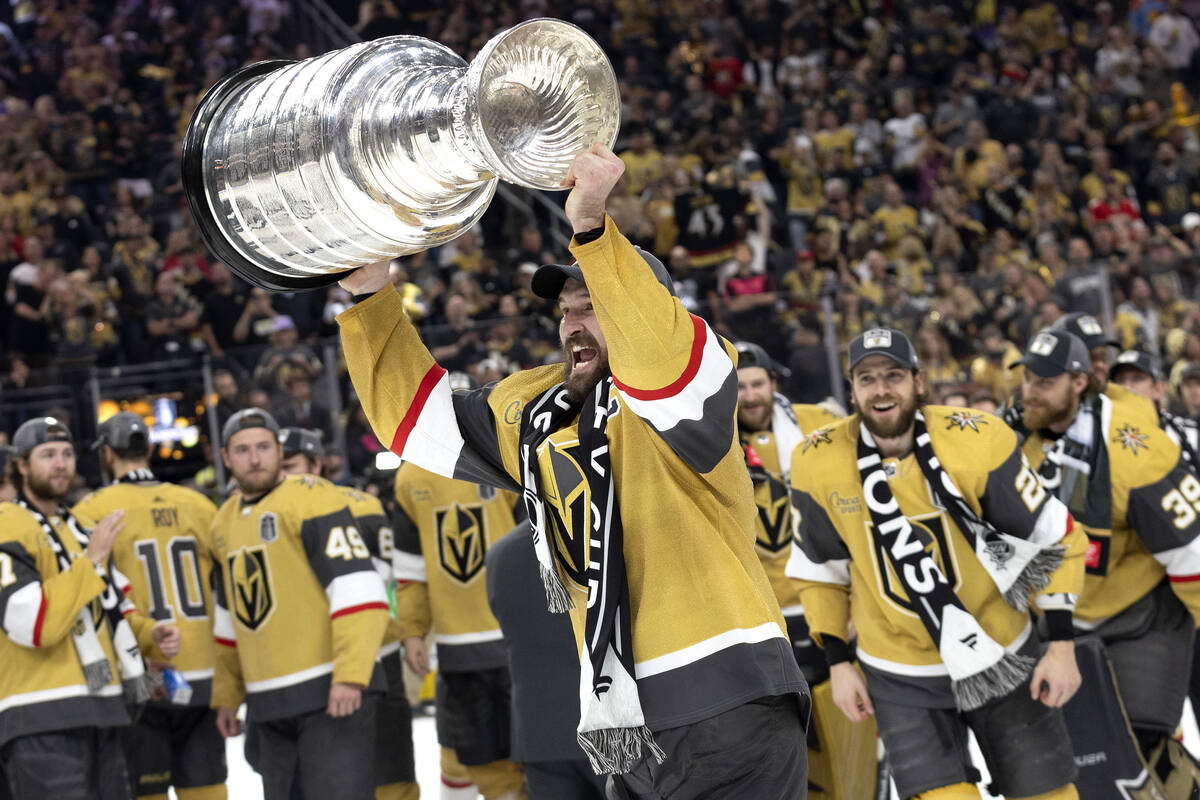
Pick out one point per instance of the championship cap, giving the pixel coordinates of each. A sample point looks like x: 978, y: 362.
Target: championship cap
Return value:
x: 1086, y: 327
x: 548, y: 281
x: 119, y: 430
x: 1053, y: 352
x: 751, y: 355
x: 301, y: 440
x: 884, y: 342
x: 246, y: 419
x: 39, y: 430
x: 1136, y: 359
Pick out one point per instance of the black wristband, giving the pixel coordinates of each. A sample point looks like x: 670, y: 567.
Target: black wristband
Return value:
x: 358, y: 298
x: 587, y: 237
x: 836, y: 650
x: 1060, y: 626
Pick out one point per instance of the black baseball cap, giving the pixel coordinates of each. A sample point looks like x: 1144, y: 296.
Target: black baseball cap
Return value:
x: 120, y: 430
x: 246, y: 419
x: 1053, y: 352
x: 1087, y: 328
x: 548, y: 281
x: 40, y: 430
x: 1136, y: 359
x: 751, y: 355
x: 301, y: 440
x: 884, y: 342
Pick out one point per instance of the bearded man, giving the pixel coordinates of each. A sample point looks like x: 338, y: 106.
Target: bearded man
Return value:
x: 905, y: 510
x: 1132, y: 494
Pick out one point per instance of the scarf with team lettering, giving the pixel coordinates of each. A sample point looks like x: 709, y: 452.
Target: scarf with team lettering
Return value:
x: 980, y: 669
x: 612, y: 729
x: 96, y: 669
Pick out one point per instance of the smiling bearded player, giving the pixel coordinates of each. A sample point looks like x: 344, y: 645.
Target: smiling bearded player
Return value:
x: 924, y: 524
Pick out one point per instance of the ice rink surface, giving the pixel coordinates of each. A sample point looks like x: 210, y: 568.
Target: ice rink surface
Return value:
x: 244, y: 783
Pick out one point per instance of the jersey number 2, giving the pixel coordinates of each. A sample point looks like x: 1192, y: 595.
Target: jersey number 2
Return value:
x: 185, y: 573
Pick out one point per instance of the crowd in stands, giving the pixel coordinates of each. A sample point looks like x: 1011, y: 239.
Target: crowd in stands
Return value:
x: 965, y: 171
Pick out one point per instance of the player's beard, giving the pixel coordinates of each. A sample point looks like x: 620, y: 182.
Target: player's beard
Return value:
x: 1042, y: 414
x: 757, y: 418
x: 580, y: 382
x: 896, y: 423
x: 50, y: 488
x: 258, y: 482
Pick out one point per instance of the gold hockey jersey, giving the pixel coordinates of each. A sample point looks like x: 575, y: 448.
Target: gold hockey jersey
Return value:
x: 707, y: 631
x: 166, y: 553
x: 443, y: 529
x: 299, y: 603
x: 1134, y: 498
x: 42, y: 687
x: 771, y: 451
x: 843, y: 572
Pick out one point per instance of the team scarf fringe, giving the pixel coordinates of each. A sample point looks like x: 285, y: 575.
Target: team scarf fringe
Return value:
x: 612, y: 728
x: 97, y: 671
x: 980, y: 669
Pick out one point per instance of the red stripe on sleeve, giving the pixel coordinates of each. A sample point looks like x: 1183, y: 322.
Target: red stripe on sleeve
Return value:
x: 356, y: 609
x: 699, y: 337
x: 225, y: 642
x: 37, y: 625
x: 1184, y: 578
x: 409, y: 422
x: 456, y: 784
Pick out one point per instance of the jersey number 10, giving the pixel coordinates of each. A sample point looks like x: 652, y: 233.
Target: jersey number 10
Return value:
x: 184, y: 567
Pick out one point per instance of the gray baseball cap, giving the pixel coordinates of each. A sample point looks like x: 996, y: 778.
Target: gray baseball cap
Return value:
x: 119, y: 431
x: 40, y: 430
x: 246, y: 419
x: 548, y: 281
x: 884, y: 342
x: 301, y: 440
x: 1087, y: 328
x: 1136, y: 359
x: 1053, y: 352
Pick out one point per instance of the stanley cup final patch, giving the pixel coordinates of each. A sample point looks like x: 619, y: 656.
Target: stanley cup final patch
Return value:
x: 268, y: 527
x: 877, y: 338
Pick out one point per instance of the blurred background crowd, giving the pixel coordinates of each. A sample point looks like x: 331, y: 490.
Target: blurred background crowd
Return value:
x: 965, y: 171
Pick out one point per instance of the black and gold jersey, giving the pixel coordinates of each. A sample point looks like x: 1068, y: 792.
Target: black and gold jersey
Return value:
x: 844, y: 573
x: 444, y: 529
x: 166, y: 554
x: 42, y: 686
x: 299, y: 603
x: 769, y: 457
x: 1134, y: 496
x: 707, y: 631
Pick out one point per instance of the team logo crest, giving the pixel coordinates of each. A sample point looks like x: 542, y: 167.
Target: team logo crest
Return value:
x: 253, y: 597
x: 268, y: 527
x: 965, y: 419
x: 774, y: 534
x: 565, y: 491
x: 460, y: 540
x: 1131, y: 438
x: 1043, y: 344
x: 930, y: 531
x: 1090, y: 325
x: 877, y: 338
x: 816, y: 439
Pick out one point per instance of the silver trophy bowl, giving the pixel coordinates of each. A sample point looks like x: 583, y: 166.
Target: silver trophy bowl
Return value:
x: 299, y: 172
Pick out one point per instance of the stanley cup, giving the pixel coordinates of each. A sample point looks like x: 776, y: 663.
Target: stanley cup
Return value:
x: 298, y: 172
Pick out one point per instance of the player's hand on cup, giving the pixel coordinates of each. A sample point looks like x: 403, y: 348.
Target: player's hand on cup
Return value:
x: 592, y: 176
x: 368, y: 279
x: 416, y: 655
x: 344, y: 699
